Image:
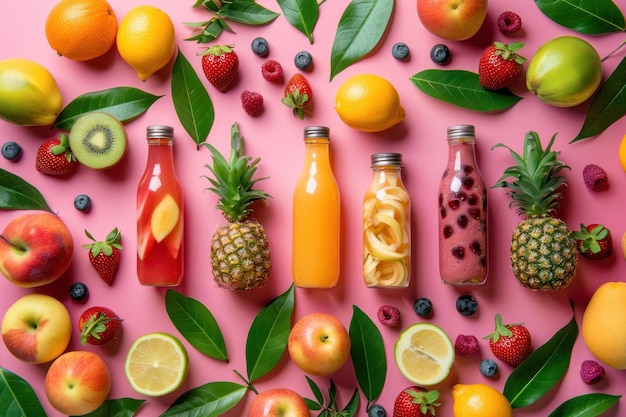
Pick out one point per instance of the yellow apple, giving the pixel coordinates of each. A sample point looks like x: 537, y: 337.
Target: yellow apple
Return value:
x: 35, y: 249
x: 319, y: 344
x: 37, y: 328
x: 278, y: 402
x: 455, y: 20
x: 77, y: 383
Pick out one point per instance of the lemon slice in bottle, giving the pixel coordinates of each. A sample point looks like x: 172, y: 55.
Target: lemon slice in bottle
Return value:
x: 424, y: 354
x: 156, y: 364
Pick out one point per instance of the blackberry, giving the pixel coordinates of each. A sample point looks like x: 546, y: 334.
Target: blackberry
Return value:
x: 466, y: 305
x: 82, y: 202
x: 488, y: 368
x: 400, y: 51
x: 423, y: 307
x: 303, y: 60
x: 376, y: 410
x: 79, y: 291
x: 260, y: 47
x: 11, y: 151
x: 440, y: 54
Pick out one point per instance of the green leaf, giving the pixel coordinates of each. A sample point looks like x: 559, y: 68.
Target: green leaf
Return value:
x: 196, y: 323
x: 122, y: 407
x: 360, y: 29
x: 302, y: 14
x: 17, y: 194
x: 268, y: 335
x: 247, y: 12
x: 124, y: 103
x: 17, y: 397
x: 462, y: 89
x: 607, y: 106
x: 350, y: 409
x: 192, y: 103
x: 542, y: 369
x: 209, y: 400
x: 317, y: 392
x: 592, y: 17
x: 588, y: 405
x: 367, y: 351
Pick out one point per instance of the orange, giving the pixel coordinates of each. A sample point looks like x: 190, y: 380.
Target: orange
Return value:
x: 479, y: 400
x: 81, y: 29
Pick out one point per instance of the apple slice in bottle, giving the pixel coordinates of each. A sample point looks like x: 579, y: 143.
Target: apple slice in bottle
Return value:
x: 174, y: 240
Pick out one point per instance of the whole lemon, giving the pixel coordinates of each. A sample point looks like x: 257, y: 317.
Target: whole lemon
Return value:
x: 368, y: 103
x: 29, y: 94
x: 479, y: 400
x: 146, y: 40
x: 604, y: 324
x: 564, y: 71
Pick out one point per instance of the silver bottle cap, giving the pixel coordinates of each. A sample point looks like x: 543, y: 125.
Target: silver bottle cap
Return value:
x: 387, y: 159
x: 461, y: 131
x: 316, y: 132
x: 160, y: 131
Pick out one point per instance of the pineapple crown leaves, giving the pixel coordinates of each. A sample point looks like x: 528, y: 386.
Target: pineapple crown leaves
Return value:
x: 111, y: 241
x: 508, y: 52
x: 63, y: 148
x: 502, y: 330
x: 590, y: 238
x: 234, y: 182
x: 536, y: 180
x: 427, y: 400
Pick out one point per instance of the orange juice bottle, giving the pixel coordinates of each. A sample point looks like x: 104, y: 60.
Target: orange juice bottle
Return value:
x: 160, y: 214
x: 316, y: 212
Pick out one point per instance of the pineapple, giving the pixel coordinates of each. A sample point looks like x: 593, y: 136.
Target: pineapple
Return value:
x: 543, y: 251
x: 240, y: 253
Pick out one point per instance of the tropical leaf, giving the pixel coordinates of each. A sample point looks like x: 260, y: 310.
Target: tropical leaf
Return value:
x: 247, y: 12
x: 588, y: 405
x: 209, y: 400
x: 120, y: 407
x: 301, y: 14
x: 591, y: 17
x: 18, y: 194
x: 17, y: 397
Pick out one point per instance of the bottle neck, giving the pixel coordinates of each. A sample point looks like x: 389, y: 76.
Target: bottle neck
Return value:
x: 461, y: 151
x: 161, y: 152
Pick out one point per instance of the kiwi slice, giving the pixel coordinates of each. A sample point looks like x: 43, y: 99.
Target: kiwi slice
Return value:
x: 98, y: 140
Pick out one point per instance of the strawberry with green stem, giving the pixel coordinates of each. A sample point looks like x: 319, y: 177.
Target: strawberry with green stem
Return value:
x: 105, y: 255
x: 98, y: 325
x: 54, y: 157
x: 220, y: 65
x: 594, y: 241
x: 298, y: 95
x: 500, y: 65
x: 416, y: 401
x: 510, y: 342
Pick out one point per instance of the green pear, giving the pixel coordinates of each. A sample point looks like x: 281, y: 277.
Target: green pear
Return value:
x: 564, y: 72
x: 29, y: 94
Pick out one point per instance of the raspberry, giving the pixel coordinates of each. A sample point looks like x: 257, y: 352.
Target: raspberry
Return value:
x: 509, y: 22
x: 465, y: 345
x: 252, y: 102
x: 388, y: 315
x: 591, y: 372
x: 272, y: 71
x: 595, y: 177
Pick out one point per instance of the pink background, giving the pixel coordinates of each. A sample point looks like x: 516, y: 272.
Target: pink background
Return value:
x: 276, y: 137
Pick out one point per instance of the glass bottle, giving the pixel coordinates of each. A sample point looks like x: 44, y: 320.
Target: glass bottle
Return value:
x: 160, y: 214
x: 462, y: 213
x: 316, y: 215
x: 387, y: 225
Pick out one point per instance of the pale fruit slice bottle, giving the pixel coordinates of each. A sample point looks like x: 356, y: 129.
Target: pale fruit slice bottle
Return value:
x: 316, y: 215
x: 386, y: 225
x: 160, y: 213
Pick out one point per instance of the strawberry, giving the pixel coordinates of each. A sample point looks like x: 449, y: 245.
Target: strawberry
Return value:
x: 220, y: 64
x: 415, y: 401
x: 54, y: 157
x: 98, y: 325
x: 298, y: 95
x: 105, y: 256
x: 500, y: 66
x: 593, y: 241
x: 510, y: 342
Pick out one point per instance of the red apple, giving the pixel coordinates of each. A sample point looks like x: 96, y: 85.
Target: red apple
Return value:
x: 278, y: 402
x: 454, y: 20
x: 77, y: 383
x: 319, y: 344
x: 35, y: 249
x: 37, y: 328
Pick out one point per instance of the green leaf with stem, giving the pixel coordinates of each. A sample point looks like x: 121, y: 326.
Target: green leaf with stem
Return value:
x: 192, y: 103
x: 542, y: 369
x: 367, y: 351
x: 587, y: 405
x: 17, y: 397
x: 123, y: 103
x: 18, y: 194
x: 196, y: 323
x: 591, y: 17
x: 331, y: 408
x: 119, y: 407
x: 301, y: 14
x: 247, y: 12
x: 209, y: 400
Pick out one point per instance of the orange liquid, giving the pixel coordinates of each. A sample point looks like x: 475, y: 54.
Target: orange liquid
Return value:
x: 316, y: 208
x: 159, y: 262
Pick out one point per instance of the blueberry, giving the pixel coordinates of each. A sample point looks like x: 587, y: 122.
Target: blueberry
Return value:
x: 376, y: 411
x: 79, y: 291
x: 423, y: 307
x: 488, y: 368
x: 11, y: 151
x: 466, y: 305
x: 82, y: 202
x: 400, y: 51
x: 440, y: 54
x: 260, y: 47
x: 303, y: 60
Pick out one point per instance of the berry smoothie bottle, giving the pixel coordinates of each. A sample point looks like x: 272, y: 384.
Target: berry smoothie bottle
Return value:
x: 462, y: 213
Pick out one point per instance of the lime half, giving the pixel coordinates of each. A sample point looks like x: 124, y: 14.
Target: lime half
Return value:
x: 424, y: 354
x: 156, y: 364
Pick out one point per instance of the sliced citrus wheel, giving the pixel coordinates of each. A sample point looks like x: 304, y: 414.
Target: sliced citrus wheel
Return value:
x: 156, y: 364
x: 424, y: 354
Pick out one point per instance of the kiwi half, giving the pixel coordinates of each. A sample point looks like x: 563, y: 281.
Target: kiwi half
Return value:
x: 98, y: 140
